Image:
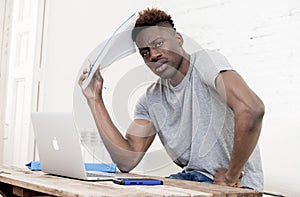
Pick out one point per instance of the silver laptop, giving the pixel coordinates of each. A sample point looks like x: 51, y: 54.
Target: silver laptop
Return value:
x: 59, y: 149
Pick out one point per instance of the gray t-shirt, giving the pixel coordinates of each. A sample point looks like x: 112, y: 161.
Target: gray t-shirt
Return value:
x: 194, y: 123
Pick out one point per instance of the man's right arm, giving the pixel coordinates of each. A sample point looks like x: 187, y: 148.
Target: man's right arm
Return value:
x: 126, y: 151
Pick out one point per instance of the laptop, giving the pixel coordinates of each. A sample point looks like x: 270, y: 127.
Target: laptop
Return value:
x: 59, y: 149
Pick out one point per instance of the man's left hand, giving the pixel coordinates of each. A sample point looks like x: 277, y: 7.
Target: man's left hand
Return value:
x: 221, y: 179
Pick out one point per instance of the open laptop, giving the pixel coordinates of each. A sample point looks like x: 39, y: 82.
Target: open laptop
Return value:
x: 59, y: 149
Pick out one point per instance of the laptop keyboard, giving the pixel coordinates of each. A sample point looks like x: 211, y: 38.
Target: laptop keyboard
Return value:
x: 89, y: 174
x: 99, y: 174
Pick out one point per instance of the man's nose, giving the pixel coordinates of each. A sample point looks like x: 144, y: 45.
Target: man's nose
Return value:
x: 154, y: 54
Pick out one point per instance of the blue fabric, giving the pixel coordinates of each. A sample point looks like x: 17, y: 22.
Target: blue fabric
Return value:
x: 191, y: 176
x: 102, y: 167
x: 34, y: 165
x: 195, y: 176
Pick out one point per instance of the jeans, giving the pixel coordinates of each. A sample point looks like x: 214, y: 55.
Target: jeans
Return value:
x: 191, y: 176
x: 195, y: 176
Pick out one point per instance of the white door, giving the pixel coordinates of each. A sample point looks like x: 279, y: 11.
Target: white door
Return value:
x: 18, y: 143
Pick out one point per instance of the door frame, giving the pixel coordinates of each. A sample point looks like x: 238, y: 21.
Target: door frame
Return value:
x: 6, y: 11
x: 5, y: 24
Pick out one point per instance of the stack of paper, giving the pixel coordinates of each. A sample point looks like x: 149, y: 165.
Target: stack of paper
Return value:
x: 118, y: 46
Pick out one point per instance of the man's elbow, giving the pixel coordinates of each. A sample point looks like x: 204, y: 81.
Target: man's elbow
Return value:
x: 255, y: 114
x: 251, y: 114
x: 125, y: 169
x: 258, y: 111
x: 128, y: 165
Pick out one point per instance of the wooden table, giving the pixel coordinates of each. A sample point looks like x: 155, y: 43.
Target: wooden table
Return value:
x: 23, y: 182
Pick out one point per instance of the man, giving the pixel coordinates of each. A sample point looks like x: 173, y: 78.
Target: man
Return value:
x: 206, y: 116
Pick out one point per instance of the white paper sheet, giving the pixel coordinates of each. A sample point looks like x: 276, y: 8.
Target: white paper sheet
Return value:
x: 118, y: 46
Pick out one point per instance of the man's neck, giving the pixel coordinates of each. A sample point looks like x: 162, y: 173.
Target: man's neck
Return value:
x: 182, y: 70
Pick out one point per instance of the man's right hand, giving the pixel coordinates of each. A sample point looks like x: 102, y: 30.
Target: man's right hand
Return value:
x: 93, y: 92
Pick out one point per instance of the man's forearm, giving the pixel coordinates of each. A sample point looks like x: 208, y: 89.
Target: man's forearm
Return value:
x: 119, y: 148
x: 247, y: 131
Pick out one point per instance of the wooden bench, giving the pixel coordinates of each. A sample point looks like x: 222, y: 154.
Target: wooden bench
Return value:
x: 15, y: 181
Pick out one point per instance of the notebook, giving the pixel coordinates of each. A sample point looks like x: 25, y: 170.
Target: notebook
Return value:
x: 59, y: 149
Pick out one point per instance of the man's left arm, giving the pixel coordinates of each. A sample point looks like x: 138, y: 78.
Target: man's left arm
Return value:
x: 248, y: 114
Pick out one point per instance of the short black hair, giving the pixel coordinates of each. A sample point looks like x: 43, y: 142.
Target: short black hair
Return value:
x: 151, y: 17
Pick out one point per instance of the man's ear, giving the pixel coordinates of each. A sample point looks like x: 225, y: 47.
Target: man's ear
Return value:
x: 179, y: 39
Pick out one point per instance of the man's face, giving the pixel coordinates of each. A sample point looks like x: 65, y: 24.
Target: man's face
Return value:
x: 161, y: 49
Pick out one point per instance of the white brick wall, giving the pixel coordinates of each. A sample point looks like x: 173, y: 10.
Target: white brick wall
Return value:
x: 261, y: 40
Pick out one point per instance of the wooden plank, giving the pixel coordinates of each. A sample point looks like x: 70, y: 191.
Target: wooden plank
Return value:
x: 165, y: 190
x: 58, y: 186
x: 69, y: 187
x: 216, y: 190
x: 18, y: 191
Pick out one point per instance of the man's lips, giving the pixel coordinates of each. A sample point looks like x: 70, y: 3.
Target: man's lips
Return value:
x: 160, y: 65
x: 161, y: 68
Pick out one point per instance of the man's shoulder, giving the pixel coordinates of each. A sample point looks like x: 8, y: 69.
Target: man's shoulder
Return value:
x: 207, y: 53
